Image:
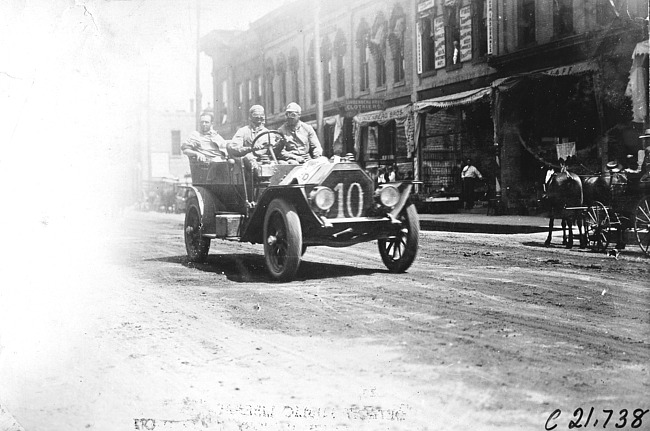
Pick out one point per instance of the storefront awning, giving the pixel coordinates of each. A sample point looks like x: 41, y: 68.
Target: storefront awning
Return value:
x: 458, y: 99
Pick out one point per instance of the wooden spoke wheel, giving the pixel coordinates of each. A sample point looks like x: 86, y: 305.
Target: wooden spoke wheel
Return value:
x: 196, y: 245
x: 597, y: 227
x: 642, y: 224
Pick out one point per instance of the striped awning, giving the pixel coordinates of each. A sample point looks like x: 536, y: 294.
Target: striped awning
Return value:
x: 457, y: 99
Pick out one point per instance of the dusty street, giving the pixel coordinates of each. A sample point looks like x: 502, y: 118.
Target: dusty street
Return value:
x: 117, y: 331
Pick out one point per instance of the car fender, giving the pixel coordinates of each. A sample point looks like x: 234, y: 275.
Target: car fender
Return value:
x: 209, y: 204
x: 295, y: 194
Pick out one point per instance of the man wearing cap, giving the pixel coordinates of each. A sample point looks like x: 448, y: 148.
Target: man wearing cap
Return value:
x: 300, y: 140
x: 205, y: 144
x: 241, y: 144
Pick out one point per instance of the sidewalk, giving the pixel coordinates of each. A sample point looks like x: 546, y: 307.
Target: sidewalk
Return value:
x: 477, y: 221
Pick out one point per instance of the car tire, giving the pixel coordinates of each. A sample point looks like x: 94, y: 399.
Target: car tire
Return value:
x: 196, y: 245
x: 398, y: 252
x: 282, y: 240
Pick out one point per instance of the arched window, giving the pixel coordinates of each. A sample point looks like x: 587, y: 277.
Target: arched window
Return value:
x: 281, y: 71
x: 363, y: 36
x: 269, y: 72
x: 340, y: 47
x: 294, y: 65
x: 326, y: 64
x: 397, y: 27
x: 377, y: 46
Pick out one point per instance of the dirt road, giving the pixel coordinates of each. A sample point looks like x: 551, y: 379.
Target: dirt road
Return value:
x: 484, y: 332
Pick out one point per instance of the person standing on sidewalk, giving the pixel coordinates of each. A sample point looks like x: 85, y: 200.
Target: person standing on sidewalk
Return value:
x: 468, y: 176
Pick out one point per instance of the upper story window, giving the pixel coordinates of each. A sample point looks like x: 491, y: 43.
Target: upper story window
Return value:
x: 239, y: 102
x: 397, y: 27
x: 269, y: 72
x: 562, y: 17
x: 258, y: 90
x: 452, y: 33
x: 224, y: 101
x: 363, y: 36
x: 526, y: 23
x: 251, y: 96
x: 479, y: 14
x: 340, y: 47
x: 377, y: 45
x: 281, y: 71
x: 427, y: 51
x: 294, y: 65
x: 326, y: 64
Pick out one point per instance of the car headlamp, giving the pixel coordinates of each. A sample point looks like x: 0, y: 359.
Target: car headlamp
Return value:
x: 322, y: 198
x: 388, y: 195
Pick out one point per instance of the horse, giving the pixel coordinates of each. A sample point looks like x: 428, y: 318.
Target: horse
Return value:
x: 564, y: 190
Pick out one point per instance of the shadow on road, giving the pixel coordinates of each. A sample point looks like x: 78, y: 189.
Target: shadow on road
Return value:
x: 249, y: 268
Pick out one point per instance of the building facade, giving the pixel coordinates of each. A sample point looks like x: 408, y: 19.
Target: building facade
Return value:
x: 424, y: 85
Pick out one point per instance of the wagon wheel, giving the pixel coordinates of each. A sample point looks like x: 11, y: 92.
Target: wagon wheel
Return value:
x: 270, y: 144
x: 597, y: 227
x: 398, y: 252
x: 642, y: 224
x: 196, y: 245
x: 282, y: 240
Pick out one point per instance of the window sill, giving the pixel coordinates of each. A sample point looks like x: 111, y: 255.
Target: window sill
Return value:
x: 380, y: 89
x: 401, y: 83
x: 428, y: 73
x: 451, y: 67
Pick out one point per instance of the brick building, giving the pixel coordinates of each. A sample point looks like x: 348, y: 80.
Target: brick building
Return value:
x: 425, y: 84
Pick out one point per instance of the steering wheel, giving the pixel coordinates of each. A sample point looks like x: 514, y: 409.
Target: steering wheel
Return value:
x: 270, y: 143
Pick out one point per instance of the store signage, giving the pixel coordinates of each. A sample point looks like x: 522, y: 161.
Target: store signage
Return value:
x: 364, y: 105
x: 425, y: 5
x: 466, y: 34
x: 489, y: 27
x: 439, y: 42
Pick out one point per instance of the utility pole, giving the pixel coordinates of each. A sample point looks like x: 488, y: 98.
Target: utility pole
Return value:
x: 319, y: 72
x: 198, y: 63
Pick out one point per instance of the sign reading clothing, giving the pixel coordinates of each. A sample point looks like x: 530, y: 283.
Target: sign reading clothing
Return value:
x: 439, y: 42
x: 466, y: 33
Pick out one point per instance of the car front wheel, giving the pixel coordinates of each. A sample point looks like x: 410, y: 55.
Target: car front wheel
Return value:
x: 282, y: 240
x: 398, y: 251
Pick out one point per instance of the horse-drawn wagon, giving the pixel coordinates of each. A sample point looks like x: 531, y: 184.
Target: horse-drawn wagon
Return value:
x: 617, y: 202
x: 288, y: 208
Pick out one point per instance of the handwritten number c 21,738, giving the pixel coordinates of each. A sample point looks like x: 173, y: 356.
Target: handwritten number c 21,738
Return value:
x: 585, y: 418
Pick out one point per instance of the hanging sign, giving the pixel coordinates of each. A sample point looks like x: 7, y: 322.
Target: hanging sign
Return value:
x: 439, y: 42
x: 425, y: 5
x: 465, y: 33
x: 418, y: 42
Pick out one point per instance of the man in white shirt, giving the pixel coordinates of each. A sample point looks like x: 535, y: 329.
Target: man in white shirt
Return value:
x: 468, y: 176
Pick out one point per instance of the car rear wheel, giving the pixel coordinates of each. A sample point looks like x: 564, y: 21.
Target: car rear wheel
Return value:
x: 398, y: 252
x: 282, y: 240
x: 196, y: 245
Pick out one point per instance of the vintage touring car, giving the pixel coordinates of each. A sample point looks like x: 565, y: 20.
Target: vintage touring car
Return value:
x: 288, y: 208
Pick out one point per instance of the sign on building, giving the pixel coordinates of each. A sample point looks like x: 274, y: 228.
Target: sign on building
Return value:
x: 439, y: 42
x: 364, y: 105
x: 466, y: 33
x: 489, y: 27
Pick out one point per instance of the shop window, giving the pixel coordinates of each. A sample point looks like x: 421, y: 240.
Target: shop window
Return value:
x: 294, y: 65
x: 176, y: 142
x: 562, y: 17
x: 340, y: 47
x: 526, y: 23
x: 326, y: 64
x: 270, y: 94
x: 363, y: 36
x: 396, y: 42
x: 386, y: 141
x: 377, y: 45
x: 281, y: 71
